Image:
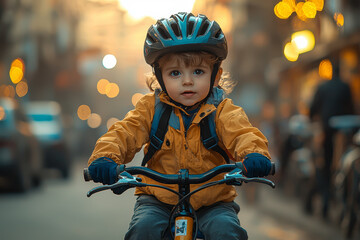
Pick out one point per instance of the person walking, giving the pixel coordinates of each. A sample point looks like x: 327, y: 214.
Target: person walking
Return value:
x: 332, y: 98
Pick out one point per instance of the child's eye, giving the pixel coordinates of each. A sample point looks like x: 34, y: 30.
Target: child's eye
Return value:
x: 175, y: 73
x: 198, y: 72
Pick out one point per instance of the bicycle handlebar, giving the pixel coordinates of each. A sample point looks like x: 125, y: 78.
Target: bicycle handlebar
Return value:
x: 174, y: 178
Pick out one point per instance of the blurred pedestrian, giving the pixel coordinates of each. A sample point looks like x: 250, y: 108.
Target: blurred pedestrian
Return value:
x: 332, y: 98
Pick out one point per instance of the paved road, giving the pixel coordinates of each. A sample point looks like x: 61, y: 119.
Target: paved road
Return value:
x: 60, y: 210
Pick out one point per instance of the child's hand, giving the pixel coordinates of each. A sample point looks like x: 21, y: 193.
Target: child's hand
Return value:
x: 256, y: 165
x: 103, y: 170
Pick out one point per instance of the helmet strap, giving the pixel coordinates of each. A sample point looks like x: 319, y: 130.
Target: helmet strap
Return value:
x: 213, y: 77
x: 158, y: 75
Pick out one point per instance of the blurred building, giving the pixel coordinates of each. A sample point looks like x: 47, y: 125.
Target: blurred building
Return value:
x: 42, y: 34
x: 298, y: 80
x: 62, y: 44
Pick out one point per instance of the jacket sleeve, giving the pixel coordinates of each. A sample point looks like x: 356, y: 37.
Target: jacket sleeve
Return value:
x: 236, y: 132
x: 126, y: 137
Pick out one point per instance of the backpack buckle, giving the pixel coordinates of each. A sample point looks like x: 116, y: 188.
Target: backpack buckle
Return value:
x: 156, y: 142
x: 210, y: 142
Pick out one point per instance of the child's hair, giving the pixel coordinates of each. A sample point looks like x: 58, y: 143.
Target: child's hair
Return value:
x: 191, y: 59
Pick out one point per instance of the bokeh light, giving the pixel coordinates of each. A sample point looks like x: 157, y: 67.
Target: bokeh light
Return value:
x: 291, y: 3
x: 101, y: 86
x: 283, y: 10
x: 21, y: 89
x: 290, y: 52
x: 112, y: 90
x: 94, y: 120
x: 109, y: 61
x: 2, y: 89
x: 111, y: 122
x: 325, y: 69
x: 135, y: 98
x: 19, y: 63
x: 319, y: 4
x: 16, y: 74
x: 8, y: 91
x: 83, y: 112
x: 339, y: 19
x: 309, y: 9
x: 350, y: 58
x: 303, y: 40
x: 300, y: 12
x: 304, y: 9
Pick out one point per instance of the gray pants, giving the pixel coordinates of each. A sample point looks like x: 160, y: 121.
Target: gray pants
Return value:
x: 216, y: 222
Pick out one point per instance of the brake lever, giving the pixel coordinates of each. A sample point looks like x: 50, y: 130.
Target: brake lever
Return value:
x: 125, y: 179
x: 126, y: 175
x: 236, y: 178
x: 259, y: 180
x: 231, y: 177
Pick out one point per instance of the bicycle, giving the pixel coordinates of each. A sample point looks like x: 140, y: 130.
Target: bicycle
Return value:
x: 347, y: 175
x: 185, y: 224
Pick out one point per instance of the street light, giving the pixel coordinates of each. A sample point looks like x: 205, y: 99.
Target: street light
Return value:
x: 290, y: 52
x: 303, y: 40
x: 109, y: 61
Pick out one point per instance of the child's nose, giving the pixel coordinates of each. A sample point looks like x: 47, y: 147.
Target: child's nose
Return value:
x: 187, y: 80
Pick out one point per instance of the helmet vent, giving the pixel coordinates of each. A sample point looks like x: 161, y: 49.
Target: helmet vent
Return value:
x: 218, y: 33
x: 203, y: 28
x: 164, y: 34
x: 190, y: 28
x: 150, y: 38
x: 175, y: 28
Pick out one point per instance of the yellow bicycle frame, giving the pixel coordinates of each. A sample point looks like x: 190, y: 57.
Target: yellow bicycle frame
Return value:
x: 184, y: 228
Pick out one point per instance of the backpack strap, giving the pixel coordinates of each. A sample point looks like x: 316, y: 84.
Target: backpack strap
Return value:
x: 160, y: 125
x: 157, y: 139
x: 209, y: 137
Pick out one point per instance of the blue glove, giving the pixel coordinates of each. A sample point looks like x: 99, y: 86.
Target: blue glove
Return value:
x: 256, y: 165
x: 103, y: 170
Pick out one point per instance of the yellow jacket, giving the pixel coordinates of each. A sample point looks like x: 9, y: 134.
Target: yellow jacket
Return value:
x: 179, y: 150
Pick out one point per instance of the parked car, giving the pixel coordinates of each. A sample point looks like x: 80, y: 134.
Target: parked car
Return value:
x: 47, y: 125
x: 20, y: 153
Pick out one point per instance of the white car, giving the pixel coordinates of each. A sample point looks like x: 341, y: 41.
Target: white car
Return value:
x: 46, y: 123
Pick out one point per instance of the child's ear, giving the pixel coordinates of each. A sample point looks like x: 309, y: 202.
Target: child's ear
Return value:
x: 218, y: 76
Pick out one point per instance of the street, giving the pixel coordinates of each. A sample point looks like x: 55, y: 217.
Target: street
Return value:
x: 60, y: 210
x: 279, y: 78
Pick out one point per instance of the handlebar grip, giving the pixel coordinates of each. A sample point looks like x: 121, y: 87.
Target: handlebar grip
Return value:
x: 87, y: 176
x: 272, y: 170
x: 241, y: 166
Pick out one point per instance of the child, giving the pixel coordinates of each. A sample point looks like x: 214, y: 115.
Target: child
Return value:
x: 185, y: 52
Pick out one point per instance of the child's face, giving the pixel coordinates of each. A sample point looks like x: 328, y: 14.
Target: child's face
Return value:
x: 186, y: 85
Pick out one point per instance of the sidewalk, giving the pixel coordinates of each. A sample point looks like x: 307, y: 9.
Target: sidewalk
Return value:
x: 275, y: 215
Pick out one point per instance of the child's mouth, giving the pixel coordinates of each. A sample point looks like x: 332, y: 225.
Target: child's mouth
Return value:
x: 188, y: 93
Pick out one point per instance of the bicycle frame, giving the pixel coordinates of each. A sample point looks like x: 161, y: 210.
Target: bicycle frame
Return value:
x: 184, y: 214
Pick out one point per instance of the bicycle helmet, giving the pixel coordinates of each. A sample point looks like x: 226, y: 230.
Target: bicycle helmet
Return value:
x: 183, y: 32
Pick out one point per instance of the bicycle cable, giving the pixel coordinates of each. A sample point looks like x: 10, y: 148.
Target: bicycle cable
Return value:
x: 163, y: 187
